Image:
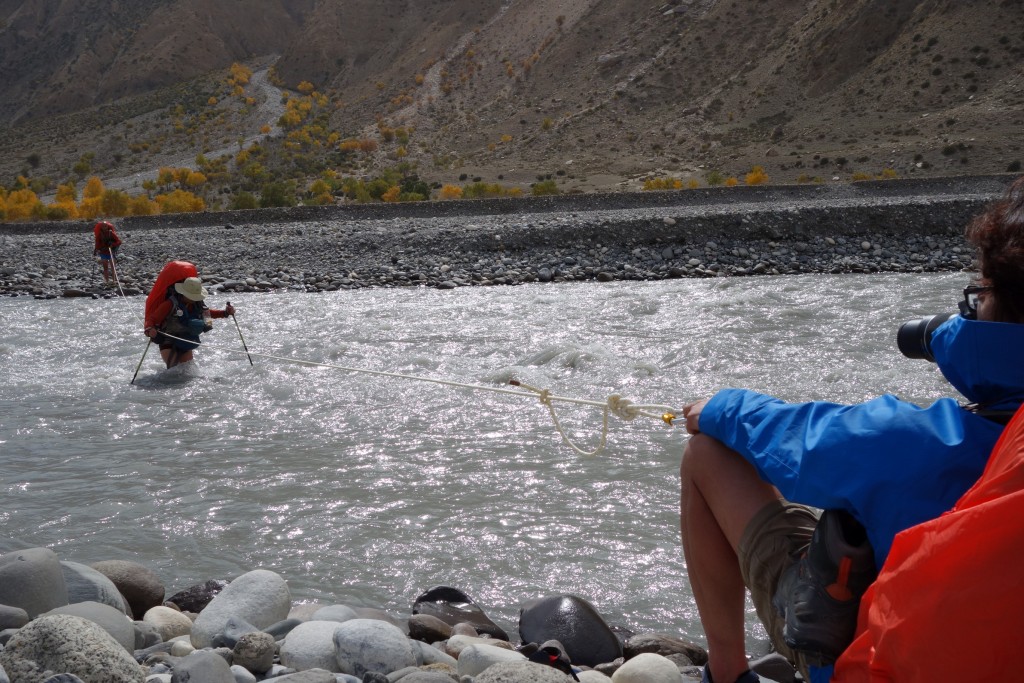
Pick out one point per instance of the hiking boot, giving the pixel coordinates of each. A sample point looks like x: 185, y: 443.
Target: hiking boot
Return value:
x: 820, y: 594
x: 746, y: 677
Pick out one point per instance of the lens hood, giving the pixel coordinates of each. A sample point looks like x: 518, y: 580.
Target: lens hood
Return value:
x: 914, y: 338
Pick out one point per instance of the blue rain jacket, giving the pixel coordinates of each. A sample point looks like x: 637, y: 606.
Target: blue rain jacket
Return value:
x: 890, y: 463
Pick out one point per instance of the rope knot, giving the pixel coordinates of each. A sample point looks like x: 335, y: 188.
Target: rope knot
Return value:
x: 545, y: 396
x: 622, y: 407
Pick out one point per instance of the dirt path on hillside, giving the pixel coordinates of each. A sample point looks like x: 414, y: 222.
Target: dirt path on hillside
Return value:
x: 269, y: 109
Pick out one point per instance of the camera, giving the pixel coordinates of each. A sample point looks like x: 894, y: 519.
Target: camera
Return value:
x: 914, y: 338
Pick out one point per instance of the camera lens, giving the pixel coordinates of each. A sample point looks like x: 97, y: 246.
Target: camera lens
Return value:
x: 914, y: 338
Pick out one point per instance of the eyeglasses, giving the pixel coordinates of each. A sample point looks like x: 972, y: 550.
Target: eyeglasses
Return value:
x: 969, y: 306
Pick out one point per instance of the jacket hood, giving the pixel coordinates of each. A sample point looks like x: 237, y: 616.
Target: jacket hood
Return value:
x: 983, y: 360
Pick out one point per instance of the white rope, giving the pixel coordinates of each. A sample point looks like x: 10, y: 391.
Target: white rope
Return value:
x: 615, y: 404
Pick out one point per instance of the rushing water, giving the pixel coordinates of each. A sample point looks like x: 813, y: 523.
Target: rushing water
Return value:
x: 368, y: 489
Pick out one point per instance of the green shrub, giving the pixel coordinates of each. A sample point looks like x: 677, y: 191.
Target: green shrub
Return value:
x: 547, y: 187
x: 278, y: 194
x: 243, y: 200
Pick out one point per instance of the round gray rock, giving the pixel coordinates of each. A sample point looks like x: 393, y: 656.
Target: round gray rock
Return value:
x: 111, y: 620
x: 32, y: 580
x: 521, y: 672
x: 370, y: 645
x: 255, y: 652
x: 202, y: 666
x: 260, y: 597
x: 139, y: 585
x: 85, y: 584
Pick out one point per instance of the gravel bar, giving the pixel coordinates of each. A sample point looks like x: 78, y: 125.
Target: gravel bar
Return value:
x: 891, y: 226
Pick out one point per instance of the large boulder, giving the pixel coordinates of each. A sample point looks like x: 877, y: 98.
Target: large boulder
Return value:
x: 68, y: 644
x: 370, y: 645
x: 453, y: 607
x: 139, y: 585
x: 572, y: 621
x: 260, y: 597
x: 85, y: 584
x: 475, y: 659
x: 647, y: 668
x: 110, y: 619
x: 521, y: 672
x: 310, y: 645
x: 32, y: 580
x: 203, y: 666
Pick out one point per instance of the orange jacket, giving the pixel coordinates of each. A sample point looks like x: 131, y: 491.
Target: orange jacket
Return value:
x: 947, y: 604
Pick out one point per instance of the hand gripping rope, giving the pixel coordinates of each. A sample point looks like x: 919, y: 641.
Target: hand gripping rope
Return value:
x: 615, y: 404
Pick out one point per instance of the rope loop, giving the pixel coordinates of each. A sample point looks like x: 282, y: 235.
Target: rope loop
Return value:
x: 622, y: 407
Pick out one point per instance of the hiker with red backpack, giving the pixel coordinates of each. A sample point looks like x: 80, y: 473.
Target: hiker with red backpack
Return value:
x: 176, y: 313
x: 105, y: 245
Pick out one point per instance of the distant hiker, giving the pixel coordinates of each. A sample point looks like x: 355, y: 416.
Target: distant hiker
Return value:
x: 177, y: 318
x: 105, y: 247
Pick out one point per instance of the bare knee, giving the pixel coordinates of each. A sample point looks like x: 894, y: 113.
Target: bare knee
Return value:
x: 703, y: 454
x: 714, y: 476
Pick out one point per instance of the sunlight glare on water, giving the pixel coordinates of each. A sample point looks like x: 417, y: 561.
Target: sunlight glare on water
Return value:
x: 369, y: 489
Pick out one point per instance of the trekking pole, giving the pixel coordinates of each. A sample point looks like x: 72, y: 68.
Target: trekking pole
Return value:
x: 240, y: 336
x: 148, y: 344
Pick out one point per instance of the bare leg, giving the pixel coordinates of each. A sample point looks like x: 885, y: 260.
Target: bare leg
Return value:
x: 174, y: 357
x: 720, y: 494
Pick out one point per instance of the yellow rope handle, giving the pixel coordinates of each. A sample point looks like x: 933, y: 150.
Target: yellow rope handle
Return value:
x: 616, y: 404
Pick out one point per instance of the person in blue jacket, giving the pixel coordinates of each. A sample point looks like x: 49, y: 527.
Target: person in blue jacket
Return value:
x: 756, y: 469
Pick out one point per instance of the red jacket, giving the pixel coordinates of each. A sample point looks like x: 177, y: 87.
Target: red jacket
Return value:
x: 104, y: 243
x: 948, y: 603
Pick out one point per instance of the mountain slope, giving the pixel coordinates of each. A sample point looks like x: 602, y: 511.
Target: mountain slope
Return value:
x: 594, y: 93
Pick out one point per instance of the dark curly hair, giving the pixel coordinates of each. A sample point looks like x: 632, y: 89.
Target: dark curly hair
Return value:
x: 998, y: 236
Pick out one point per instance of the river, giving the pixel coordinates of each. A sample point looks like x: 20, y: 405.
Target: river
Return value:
x: 367, y: 489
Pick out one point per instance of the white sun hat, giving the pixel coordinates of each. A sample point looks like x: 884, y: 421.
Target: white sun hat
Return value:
x: 191, y: 288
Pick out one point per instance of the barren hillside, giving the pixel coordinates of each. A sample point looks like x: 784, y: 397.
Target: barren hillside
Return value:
x: 595, y: 94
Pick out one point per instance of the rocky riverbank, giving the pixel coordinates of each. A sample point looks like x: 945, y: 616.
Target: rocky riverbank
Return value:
x: 880, y: 227
x: 112, y: 622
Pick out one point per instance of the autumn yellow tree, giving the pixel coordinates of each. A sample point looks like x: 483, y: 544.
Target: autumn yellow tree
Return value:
x: 114, y: 203
x: 91, y: 204
x: 179, y: 201
x: 451, y: 192
x: 757, y: 176
x: 22, y: 204
x: 320, y: 192
x: 143, y: 206
x: 93, y: 188
x: 240, y: 74
x: 66, y: 199
x: 165, y: 177
x: 194, y: 179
